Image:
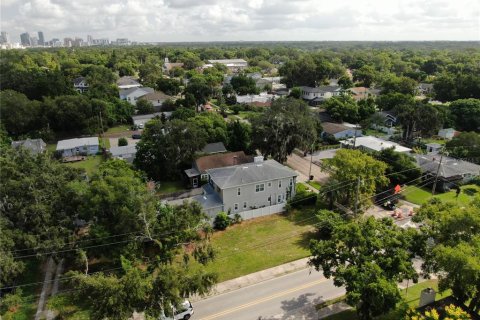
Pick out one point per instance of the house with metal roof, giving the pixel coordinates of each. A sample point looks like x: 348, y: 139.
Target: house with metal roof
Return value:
x: 35, y: 146
x: 369, y: 143
x: 78, y: 146
x: 339, y: 130
x: 249, y: 186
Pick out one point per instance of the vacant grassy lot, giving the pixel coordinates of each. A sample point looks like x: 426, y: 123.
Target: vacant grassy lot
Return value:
x: 119, y: 129
x: 262, y: 243
x: 90, y: 165
x: 170, y: 186
x: 411, y: 297
x: 421, y: 195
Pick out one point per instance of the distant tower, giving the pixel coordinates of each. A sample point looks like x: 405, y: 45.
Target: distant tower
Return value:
x: 25, y: 39
x: 41, y: 39
x: 89, y: 40
x: 4, y: 37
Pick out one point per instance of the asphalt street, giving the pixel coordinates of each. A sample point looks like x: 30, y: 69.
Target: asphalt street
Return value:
x: 292, y: 296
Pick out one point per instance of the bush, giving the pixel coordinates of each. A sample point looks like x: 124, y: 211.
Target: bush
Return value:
x: 222, y: 221
x: 237, y: 218
x: 122, y: 142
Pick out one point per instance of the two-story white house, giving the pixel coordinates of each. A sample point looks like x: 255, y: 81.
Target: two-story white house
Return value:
x: 248, y: 186
x: 78, y: 146
x: 80, y: 84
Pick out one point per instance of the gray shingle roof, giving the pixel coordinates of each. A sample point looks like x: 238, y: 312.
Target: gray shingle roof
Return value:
x: 321, y: 89
x: 248, y: 173
x: 449, y: 168
x: 209, y: 199
x: 123, y: 150
x: 77, y: 142
x: 125, y: 81
x: 34, y: 145
x: 216, y: 147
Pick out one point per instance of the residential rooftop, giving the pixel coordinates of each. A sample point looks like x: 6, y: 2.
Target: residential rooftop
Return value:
x: 248, y: 173
x: 376, y: 144
x: 77, y: 142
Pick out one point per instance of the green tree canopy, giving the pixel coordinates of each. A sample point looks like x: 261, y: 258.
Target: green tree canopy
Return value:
x: 466, y: 114
x: 287, y: 125
x: 367, y: 256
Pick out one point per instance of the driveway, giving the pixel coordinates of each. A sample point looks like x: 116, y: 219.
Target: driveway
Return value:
x: 302, y: 166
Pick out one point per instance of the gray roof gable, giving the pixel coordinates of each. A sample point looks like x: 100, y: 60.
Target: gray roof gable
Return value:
x: 230, y: 177
x: 34, y: 145
x: 215, y: 147
x: 449, y: 168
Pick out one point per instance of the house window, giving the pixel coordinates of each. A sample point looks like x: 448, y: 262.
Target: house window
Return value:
x: 260, y: 187
x: 235, y: 206
x: 279, y: 184
x: 279, y: 199
x: 269, y: 184
x: 245, y: 205
x: 204, y: 176
x: 238, y: 192
x: 291, y: 182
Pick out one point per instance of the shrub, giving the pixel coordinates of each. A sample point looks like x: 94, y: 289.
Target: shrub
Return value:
x: 237, y: 218
x: 122, y: 142
x: 222, y: 221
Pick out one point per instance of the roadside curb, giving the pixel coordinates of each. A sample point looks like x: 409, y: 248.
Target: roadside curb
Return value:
x: 254, y: 278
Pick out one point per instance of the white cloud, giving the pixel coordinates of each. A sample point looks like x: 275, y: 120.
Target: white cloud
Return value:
x: 210, y: 20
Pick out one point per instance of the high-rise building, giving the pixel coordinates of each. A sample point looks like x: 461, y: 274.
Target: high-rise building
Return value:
x: 41, y: 39
x: 89, y: 40
x: 34, y: 41
x: 67, y: 42
x: 25, y: 39
x: 4, y: 37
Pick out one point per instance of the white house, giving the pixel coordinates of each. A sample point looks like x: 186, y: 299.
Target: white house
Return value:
x: 141, y: 119
x: 78, y: 146
x: 369, y: 143
x: 133, y: 94
x: 447, y: 134
x: 232, y: 64
x: 127, y: 83
x: 157, y: 98
x: 319, y: 94
x: 340, y: 130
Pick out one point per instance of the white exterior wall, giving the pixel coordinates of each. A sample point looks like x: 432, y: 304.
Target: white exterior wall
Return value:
x: 347, y: 134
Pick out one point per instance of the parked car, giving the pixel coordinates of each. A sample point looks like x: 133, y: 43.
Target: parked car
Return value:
x: 136, y: 136
x: 183, y: 312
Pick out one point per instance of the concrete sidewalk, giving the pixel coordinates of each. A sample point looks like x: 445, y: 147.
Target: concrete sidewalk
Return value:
x: 254, y: 278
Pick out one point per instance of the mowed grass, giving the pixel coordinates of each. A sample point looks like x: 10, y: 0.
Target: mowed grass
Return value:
x: 421, y: 195
x: 90, y: 165
x: 262, y: 243
x: 315, y: 184
x: 119, y: 129
x: 411, y: 297
x: 170, y: 186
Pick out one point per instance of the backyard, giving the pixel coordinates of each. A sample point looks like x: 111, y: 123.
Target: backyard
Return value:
x: 421, y: 195
x: 262, y: 243
x: 90, y: 165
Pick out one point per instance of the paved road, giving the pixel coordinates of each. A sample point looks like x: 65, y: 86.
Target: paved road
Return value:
x: 302, y: 166
x: 292, y: 296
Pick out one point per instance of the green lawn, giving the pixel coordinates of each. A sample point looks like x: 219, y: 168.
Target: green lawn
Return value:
x: 314, y: 184
x: 373, y: 132
x: 421, y: 195
x: 105, y: 142
x: 90, y: 165
x: 51, y: 147
x: 170, y: 186
x: 411, y: 297
x: 262, y: 243
x: 119, y: 129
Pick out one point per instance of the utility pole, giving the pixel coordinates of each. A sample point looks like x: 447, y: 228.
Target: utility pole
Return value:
x: 101, y: 126
x: 311, y: 160
x: 355, y: 136
x: 438, y: 170
x: 356, y: 196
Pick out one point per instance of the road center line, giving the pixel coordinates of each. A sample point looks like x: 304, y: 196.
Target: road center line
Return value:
x: 250, y: 304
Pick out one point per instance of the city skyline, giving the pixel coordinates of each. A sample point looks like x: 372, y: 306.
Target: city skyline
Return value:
x: 257, y: 20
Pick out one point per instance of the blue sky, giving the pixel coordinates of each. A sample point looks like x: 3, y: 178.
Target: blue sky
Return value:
x: 235, y: 20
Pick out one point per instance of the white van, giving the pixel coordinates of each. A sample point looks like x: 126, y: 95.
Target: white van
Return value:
x: 184, y: 312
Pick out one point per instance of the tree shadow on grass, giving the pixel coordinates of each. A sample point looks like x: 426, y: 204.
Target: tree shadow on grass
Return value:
x: 302, y: 216
x: 304, y: 240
